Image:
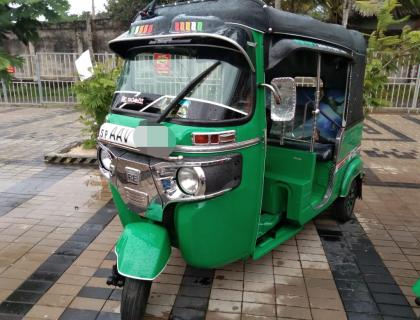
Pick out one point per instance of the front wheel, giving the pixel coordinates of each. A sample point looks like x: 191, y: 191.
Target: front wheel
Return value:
x: 344, y: 206
x: 134, y: 299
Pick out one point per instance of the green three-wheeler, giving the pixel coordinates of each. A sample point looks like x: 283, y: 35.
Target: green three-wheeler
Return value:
x: 233, y: 124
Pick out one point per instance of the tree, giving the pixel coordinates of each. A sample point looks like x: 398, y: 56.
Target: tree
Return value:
x: 124, y: 10
x: 385, y: 50
x: 22, y: 18
x: 327, y: 10
x: 295, y: 6
x: 127, y: 10
x: 95, y: 96
x: 347, y: 8
x: 332, y: 10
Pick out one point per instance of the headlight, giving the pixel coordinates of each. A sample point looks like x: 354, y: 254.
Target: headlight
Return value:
x: 105, y: 159
x: 191, y: 180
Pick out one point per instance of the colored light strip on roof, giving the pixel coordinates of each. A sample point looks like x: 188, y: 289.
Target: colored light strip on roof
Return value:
x: 188, y: 26
x: 143, y: 29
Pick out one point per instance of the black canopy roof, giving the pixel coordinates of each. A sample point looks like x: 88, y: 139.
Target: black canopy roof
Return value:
x: 256, y: 14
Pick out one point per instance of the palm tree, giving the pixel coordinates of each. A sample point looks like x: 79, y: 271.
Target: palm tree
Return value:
x: 347, y: 7
x: 333, y: 10
x: 295, y: 6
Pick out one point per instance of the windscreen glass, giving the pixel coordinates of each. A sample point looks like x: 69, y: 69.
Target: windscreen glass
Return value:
x: 151, y: 80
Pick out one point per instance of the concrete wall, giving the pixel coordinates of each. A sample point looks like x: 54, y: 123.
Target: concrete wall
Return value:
x: 70, y: 37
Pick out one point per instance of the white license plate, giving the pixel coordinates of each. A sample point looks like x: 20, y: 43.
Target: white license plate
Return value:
x: 117, y: 134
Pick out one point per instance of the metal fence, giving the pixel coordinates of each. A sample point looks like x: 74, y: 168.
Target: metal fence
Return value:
x: 402, y: 89
x: 48, y: 78
x: 45, y: 78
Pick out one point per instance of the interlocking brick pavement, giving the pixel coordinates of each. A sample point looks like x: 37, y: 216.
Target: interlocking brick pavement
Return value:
x: 48, y: 213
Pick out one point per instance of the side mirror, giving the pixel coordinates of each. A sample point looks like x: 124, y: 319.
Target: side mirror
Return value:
x: 283, y: 99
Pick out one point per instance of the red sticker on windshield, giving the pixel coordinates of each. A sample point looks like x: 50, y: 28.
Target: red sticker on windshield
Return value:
x: 162, y: 63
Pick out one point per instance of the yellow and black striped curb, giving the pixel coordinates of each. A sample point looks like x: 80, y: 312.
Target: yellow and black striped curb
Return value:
x: 63, y: 156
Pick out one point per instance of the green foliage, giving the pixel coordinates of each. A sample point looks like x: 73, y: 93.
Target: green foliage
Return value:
x: 384, y: 50
x: 126, y: 10
x: 95, y: 96
x: 83, y: 16
x: 21, y: 17
x: 332, y: 9
x: 296, y: 6
x: 368, y: 8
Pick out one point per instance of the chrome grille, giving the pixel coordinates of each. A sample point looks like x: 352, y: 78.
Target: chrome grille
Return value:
x: 137, y: 198
x: 134, y: 181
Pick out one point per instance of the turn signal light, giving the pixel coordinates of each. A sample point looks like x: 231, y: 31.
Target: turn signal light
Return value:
x: 199, y: 138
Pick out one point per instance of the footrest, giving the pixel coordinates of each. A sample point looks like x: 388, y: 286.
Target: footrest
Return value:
x: 280, y: 236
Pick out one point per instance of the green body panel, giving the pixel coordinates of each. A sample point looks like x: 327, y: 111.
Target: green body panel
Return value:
x: 352, y: 138
x: 267, y: 222
x: 216, y: 232
x: 288, y: 179
x: 126, y: 215
x: 224, y: 229
x: 154, y: 212
x: 416, y: 289
x: 143, y: 250
x: 353, y: 165
x: 295, y: 183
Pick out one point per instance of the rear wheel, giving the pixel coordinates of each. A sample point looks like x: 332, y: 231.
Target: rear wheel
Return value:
x: 344, y: 206
x: 134, y: 299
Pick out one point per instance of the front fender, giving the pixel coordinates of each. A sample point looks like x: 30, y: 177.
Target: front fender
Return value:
x: 143, y: 251
x: 354, y: 169
x: 416, y: 289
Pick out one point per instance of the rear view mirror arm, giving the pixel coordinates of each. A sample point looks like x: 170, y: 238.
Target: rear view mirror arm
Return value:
x: 273, y: 90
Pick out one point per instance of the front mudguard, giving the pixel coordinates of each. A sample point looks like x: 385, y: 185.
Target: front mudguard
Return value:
x: 143, y: 250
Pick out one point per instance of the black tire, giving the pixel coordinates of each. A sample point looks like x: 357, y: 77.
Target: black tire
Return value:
x: 344, y: 206
x: 417, y: 301
x: 134, y: 299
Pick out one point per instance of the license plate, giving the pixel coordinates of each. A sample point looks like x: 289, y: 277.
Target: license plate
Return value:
x: 133, y: 175
x: 116, y: 133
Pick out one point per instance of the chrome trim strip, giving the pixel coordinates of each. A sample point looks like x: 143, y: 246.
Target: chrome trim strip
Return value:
x: 205, y: 163
x: 136, y: 150
x: 244, y: 26
x: 189, y: 35
x: 350, y: 155
x: 194, y: 149
x: 198, y: 198
x: 218, y: 148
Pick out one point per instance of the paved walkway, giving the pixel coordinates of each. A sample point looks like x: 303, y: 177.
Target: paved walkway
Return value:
x: 58, y: 228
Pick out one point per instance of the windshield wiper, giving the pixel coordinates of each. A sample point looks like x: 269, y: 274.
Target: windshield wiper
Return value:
x: 190, y: 86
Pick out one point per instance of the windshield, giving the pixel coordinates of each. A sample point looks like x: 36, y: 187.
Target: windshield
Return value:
x: 151, y: 80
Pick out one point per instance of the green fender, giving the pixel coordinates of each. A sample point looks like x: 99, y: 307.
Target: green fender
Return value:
x: 143, y: 250
x: 416, y: 289
x: 354, y: 169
